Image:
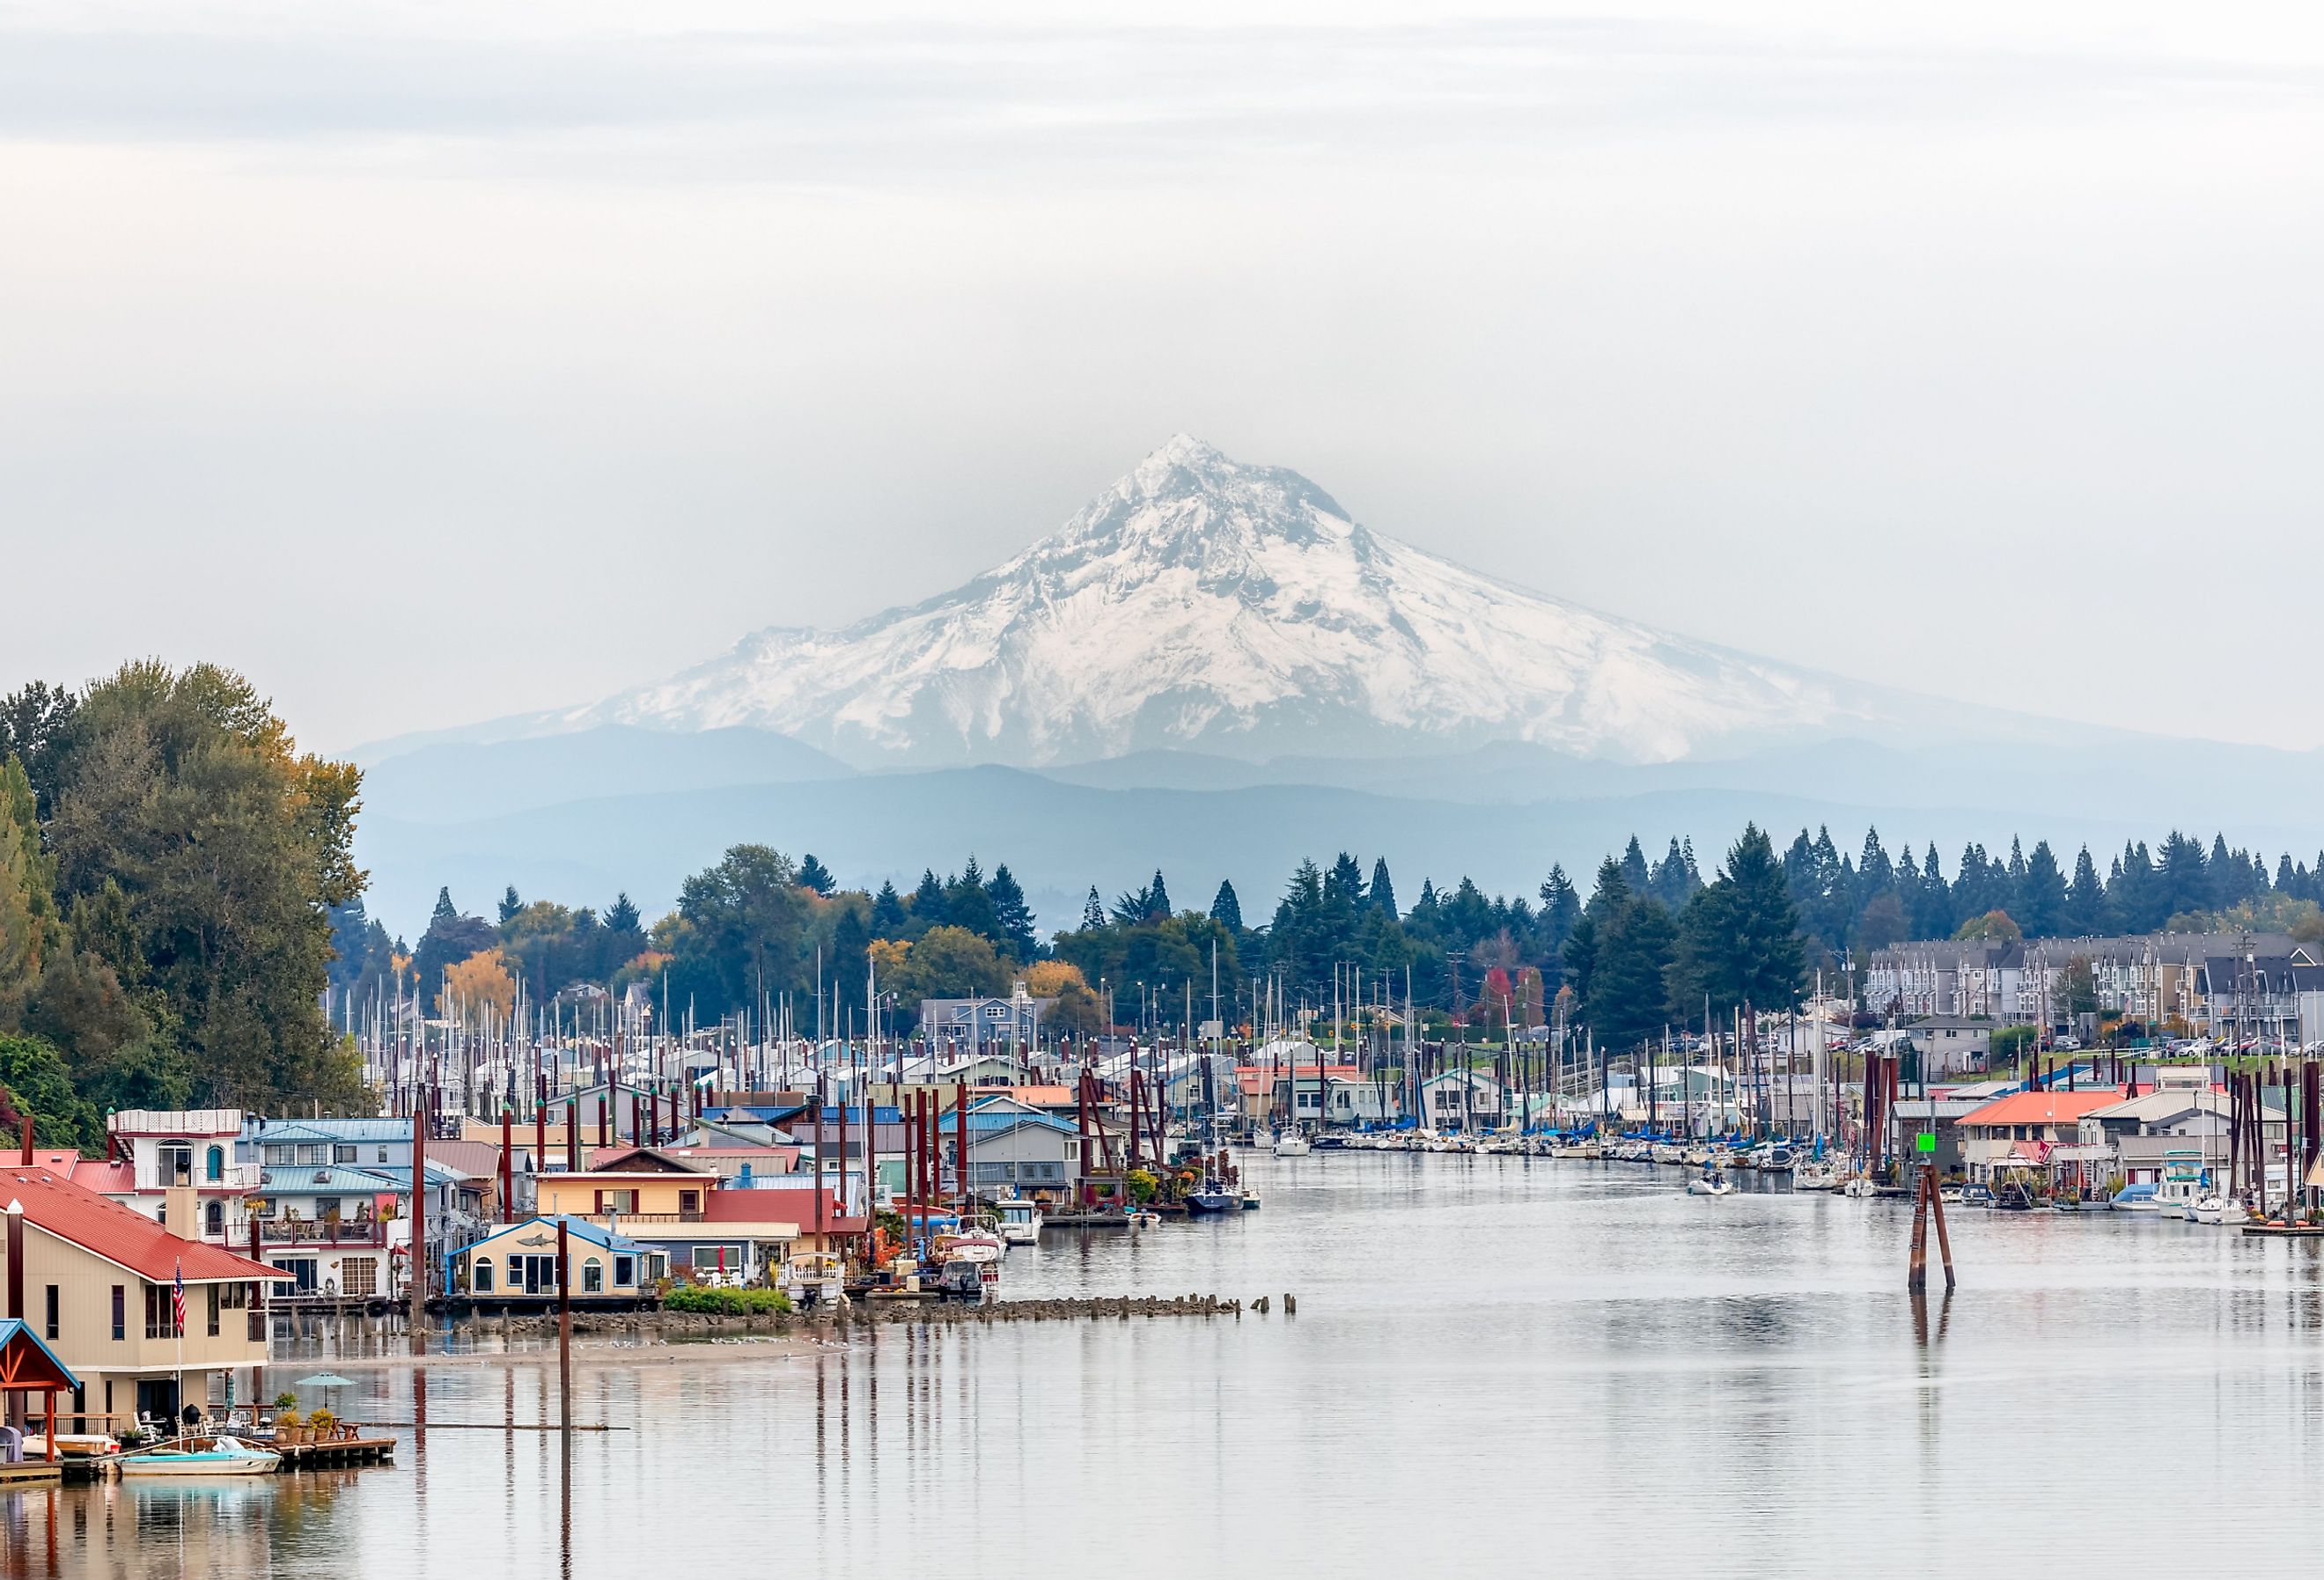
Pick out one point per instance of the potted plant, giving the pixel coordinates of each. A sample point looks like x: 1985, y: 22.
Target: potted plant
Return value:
x: 321, y: 1425
x: 287, y: 1427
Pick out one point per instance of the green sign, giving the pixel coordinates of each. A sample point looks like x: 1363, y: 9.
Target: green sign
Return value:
x: 1925, y: 1142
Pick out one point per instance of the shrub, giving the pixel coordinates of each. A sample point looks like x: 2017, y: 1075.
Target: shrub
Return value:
x: 286, y: 1401
x: 727, y: 1302
x: 322, y: 1420
x: 287, y: 1418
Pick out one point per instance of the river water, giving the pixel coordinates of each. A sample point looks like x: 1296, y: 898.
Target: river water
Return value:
x: 1499, y: 1367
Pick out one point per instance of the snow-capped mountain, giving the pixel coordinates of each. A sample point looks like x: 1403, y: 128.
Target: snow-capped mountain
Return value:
x: 1201, y: 602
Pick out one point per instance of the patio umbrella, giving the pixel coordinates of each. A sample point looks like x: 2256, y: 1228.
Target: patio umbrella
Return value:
x: 328, y: 1381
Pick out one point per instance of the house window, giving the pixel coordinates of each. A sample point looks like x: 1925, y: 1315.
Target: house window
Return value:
x: 625, y: 1270
x: 214, y: 1165
x: 213, y: 1304
x: 326, y: 1208
x: 343, y: 1154
x: 689, y: 1201
x: 382, y: 1154
x: 49, y: 1328
x: 214, y: 1218
x: 593, y: 1277
x: 314, y: 1156
x: 177, y: 1160
x: 482, y: 1274
x: 359, y: 1275
x: 120, y: 1320
x: 160, y: 1318
x: 282, y: 1156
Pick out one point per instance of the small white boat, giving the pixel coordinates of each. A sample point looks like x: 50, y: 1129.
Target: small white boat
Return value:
x: 2214, y: 1209
x: 1710, y: 1184
x: 1858, y: 1186
x: 1020, y: 1221
x: 216, y: 1456
x: 1292, y: 1144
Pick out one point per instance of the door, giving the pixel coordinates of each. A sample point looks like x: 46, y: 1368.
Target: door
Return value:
x: 157, y: 1397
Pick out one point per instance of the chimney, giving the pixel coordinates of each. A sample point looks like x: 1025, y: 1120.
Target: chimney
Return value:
x: 180, y: 1215
x: 28, y: 1141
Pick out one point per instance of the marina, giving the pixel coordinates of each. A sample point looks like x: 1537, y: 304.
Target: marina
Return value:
x: 1589, y: 1319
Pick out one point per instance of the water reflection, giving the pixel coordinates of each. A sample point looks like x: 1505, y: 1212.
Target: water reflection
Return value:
x: 1491, y: 1362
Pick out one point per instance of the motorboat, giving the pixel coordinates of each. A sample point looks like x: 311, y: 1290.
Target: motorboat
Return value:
x: 2137, y: 1198
x: 2214, y: 1208
x: 2183, y: 1180
x: 1019, y: 1221
x: 1974, y: 1194
x: 1860, y: 1187
x: 1709, y: 1182
x: 202, y: 1457
x: 976, y: 1240
x: 1292, y: 1144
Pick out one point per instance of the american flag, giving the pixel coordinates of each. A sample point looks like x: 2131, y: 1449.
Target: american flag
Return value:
x: 177, y: 1297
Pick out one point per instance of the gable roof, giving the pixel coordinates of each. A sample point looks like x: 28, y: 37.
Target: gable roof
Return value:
x: 104, y: 1227
x: 577, y: 1228
x: 2044, y: 1107
x: 637, y: 1160
x: 27, y: 1363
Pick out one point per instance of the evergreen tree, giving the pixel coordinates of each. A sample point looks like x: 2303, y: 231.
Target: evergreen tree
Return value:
x: 2085, y: 898
x: 2182, y: 878
x: 1158, y: 899
x: 888, y: 918
x: 1560, y: 907
x: 1628, y: 999
x: 1636, y: 877
x: 815, y: 875
x: 2041, y: 908
x: 621, y: 916
x: 928, y: 902
x: 445, y: 910
x: 510, y: 905
x: 2225, y: 874
x: 1740, y: 940
x: 1013, y: 915
x: 1934, y: 916
x: 2135, y: 894
x: 1092, y: 912
x: 968, y: 905
x: 1225, y: 909
x: 1381, y: 895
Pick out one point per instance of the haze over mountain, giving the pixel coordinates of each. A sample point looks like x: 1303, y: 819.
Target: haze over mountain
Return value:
x: 1199, y: 638
x: 1202, y: 602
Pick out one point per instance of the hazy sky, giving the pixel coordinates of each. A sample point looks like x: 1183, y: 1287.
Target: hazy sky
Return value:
x: 434, y: 362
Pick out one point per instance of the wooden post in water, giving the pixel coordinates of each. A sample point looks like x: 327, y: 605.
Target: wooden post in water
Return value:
x: 564, y: 1326
x: 418, y: 1317
x: 960, y: 1142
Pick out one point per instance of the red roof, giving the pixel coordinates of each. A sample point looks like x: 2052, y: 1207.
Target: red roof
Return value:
x: 758, y: 1207
x: 2048, y: 1107
x: 107, y: 1228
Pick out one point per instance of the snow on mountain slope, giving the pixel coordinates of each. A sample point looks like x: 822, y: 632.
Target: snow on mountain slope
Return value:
x: 1203, y: 602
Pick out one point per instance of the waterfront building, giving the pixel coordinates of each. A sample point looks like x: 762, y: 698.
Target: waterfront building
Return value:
x: 154, y: 1150
x: 1015, y: 1150
x: 975, y: 1024
x: 517, y: 1262
x: 2038, y: 1131
x: 1462, y: 1100
x: 675, y: 1207
x: 99, y: 1286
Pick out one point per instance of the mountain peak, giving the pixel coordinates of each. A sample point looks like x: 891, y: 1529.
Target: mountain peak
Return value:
x: 1202, y: 601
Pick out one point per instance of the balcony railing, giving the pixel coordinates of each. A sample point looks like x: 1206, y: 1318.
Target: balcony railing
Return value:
x: 234, y: 1177
x: 312, y: 1232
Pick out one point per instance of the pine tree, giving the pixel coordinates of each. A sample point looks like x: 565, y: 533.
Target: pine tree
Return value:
x: 2085, y: 898
x: 928, y: 902
x: 621, y: 915
x: 1560, y: 907
x: 1093, y: 912
x: 1225, y: 909
x: 2041, y: 907
x: 813, y: 874
x: 888, y: 918
x: 445, y: 911
x: 510, y: 905
x: 1013, y: 915
x: 1381, y: 895
x: 1635, y: 875
x: 1158, y: 899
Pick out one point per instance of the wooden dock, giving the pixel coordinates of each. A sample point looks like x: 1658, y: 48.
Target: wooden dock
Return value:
x: 32, y: 1473
x: 2286, y: 1231
x: 337, y: 1451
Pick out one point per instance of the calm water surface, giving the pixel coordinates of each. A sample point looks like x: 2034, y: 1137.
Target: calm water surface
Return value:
x: 1502, y: 1367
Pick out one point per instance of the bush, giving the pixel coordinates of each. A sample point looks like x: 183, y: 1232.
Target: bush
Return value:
x: 283, y: 1417
x: 286, y: 1401
x: 727, y: 1302
x: 322, y: 1421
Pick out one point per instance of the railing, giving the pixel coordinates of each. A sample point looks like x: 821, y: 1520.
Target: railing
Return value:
x: 311, y: 1232
x: 236, y: 1177
x: 654, y: 1217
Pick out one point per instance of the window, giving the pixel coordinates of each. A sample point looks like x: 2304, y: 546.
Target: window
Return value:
x: 214, y: 1165
x: 359, y: 1275
x: 161, y: 1319
x: 282, y: 1156
x: 593, y: 1277
x: 625, y: 1270
x: 689, y: 1201
x: 214, y: 1218
x: 382, y: 1154
x: 50, y: 1329
x: 314, y: 1155
x: 326, y: 1207
x: 177, y: 1160
x: 482, y: 1274
x: 213, y: 1304
x: 120, y: 1324
x: 343, y: 1154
